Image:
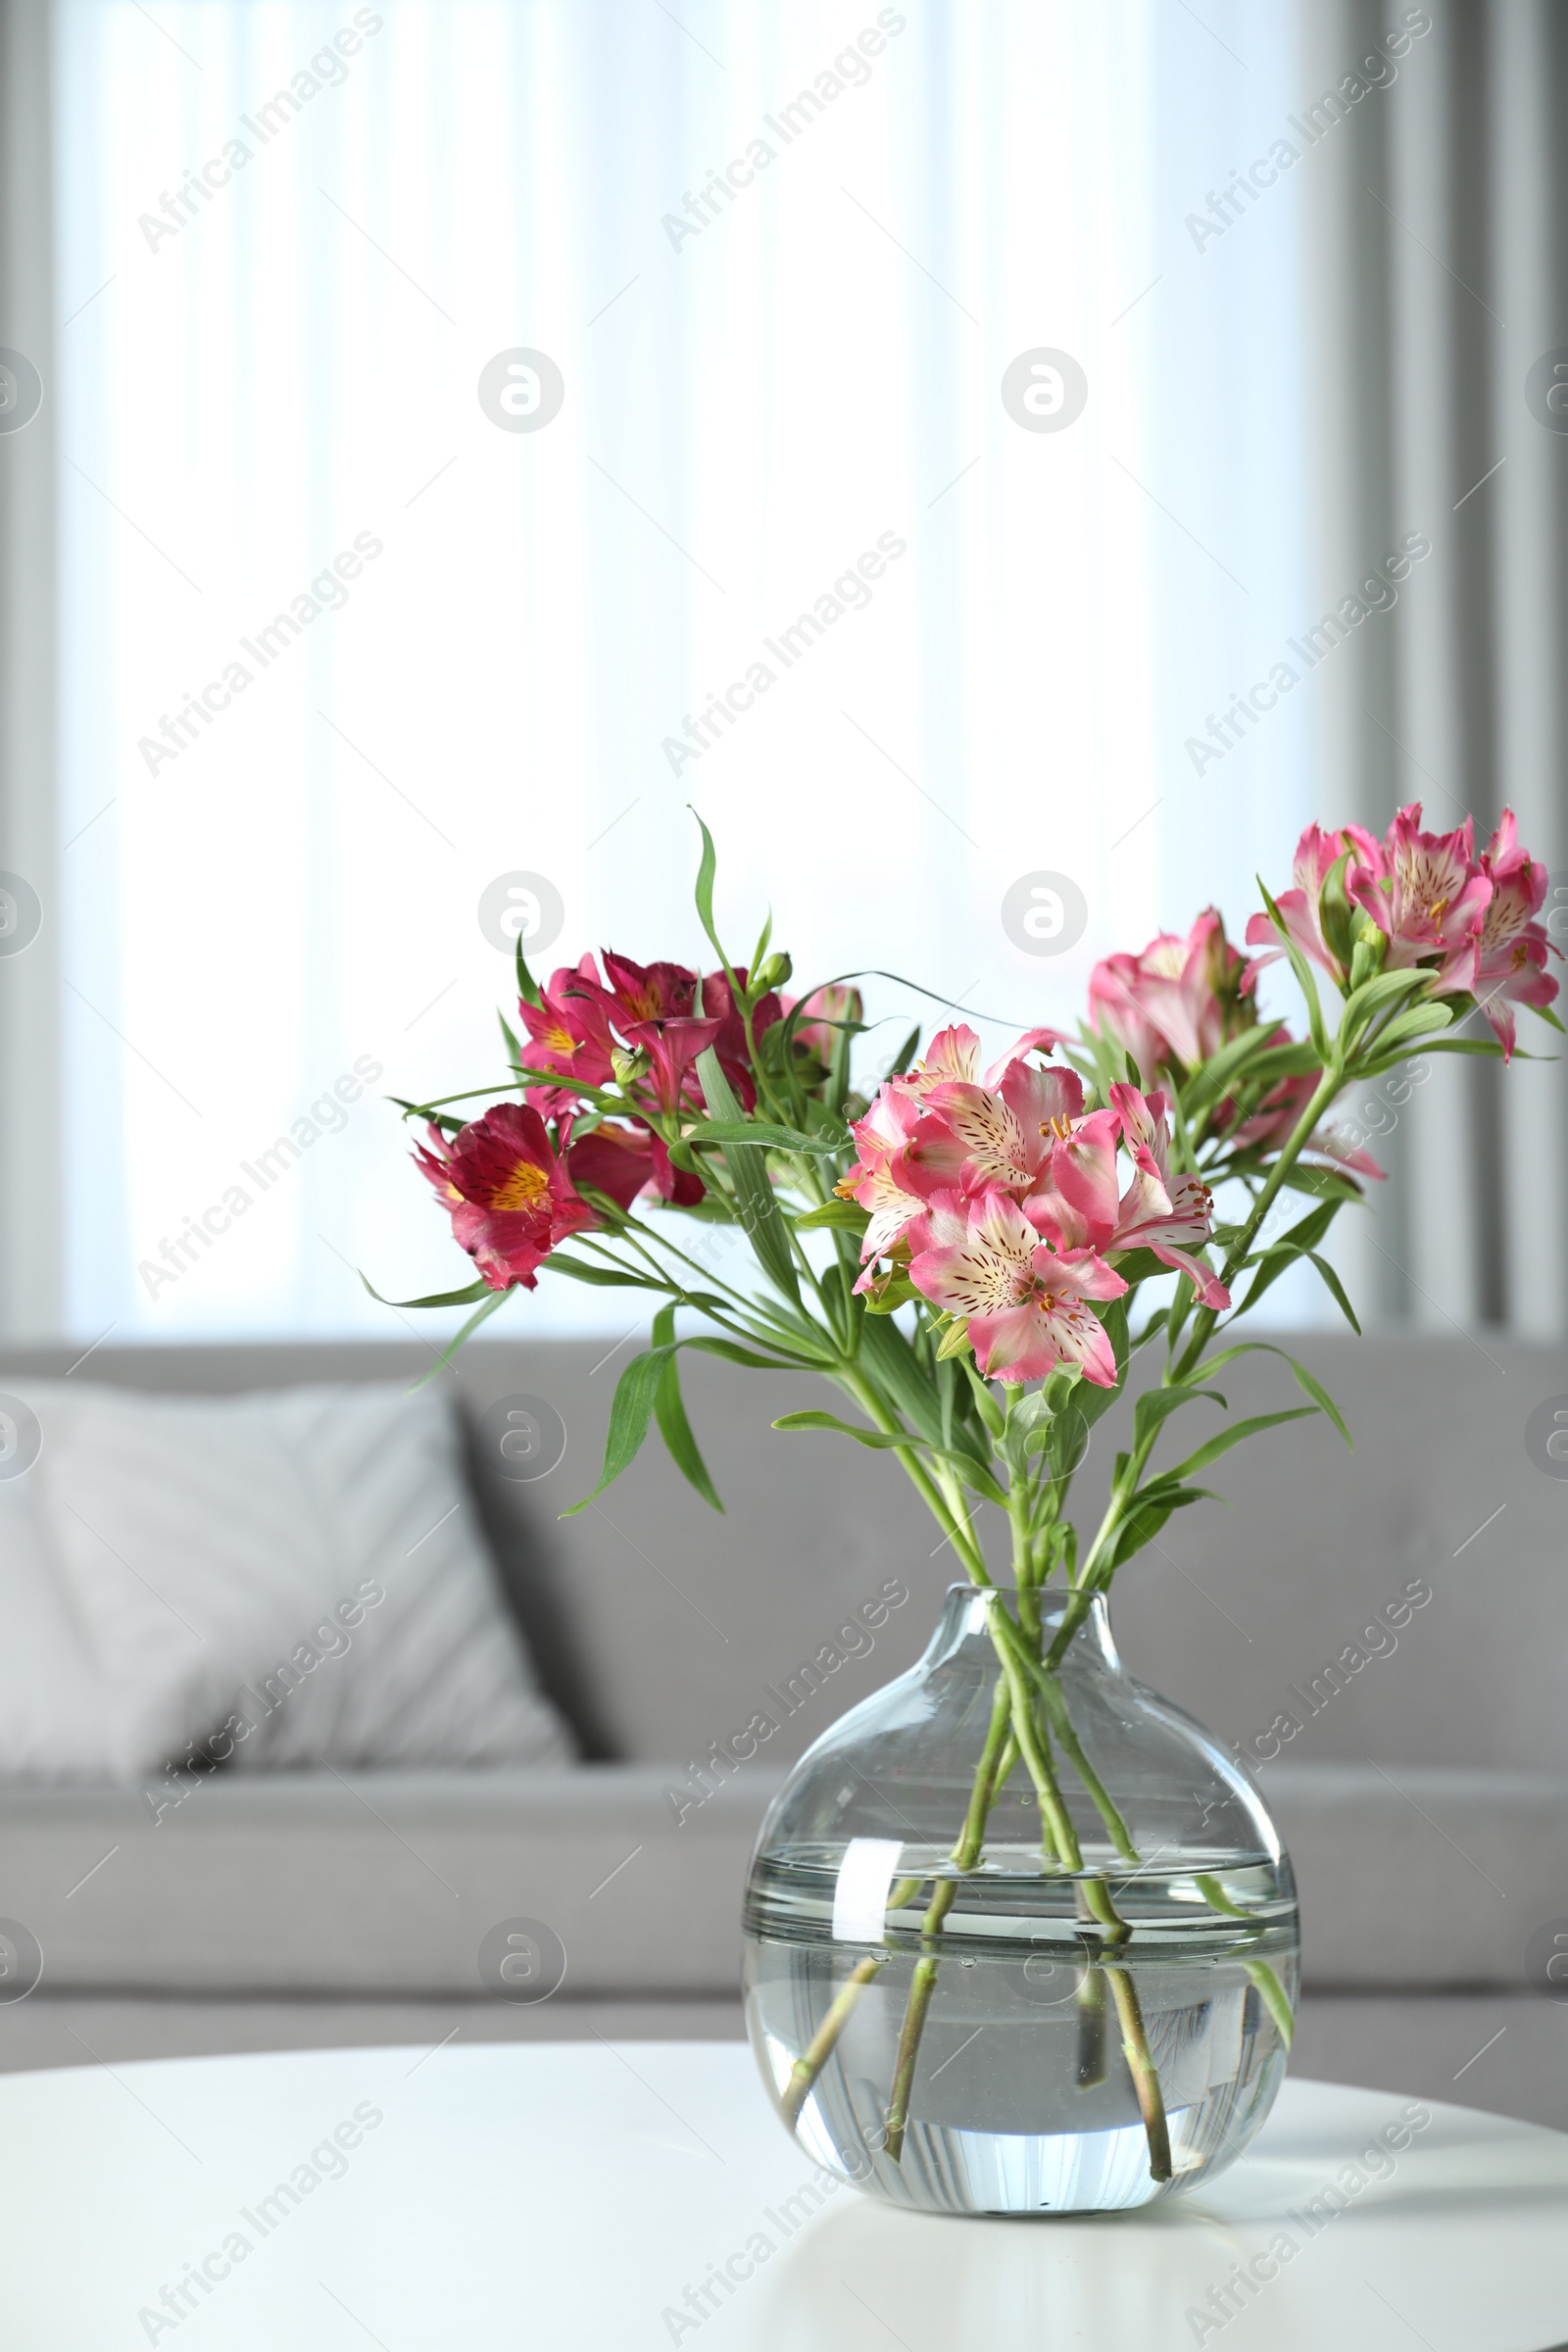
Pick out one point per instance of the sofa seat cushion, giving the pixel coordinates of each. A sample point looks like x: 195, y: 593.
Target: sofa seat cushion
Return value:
x: 381, y: 1884
x: 378, y: 1884
x: 1420, y: 1875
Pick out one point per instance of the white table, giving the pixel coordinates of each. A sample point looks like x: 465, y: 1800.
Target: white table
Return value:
x: 564, y: 2196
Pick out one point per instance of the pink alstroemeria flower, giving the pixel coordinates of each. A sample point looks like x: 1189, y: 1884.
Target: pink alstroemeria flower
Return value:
x: 1316, y: 855
x: 984, y: 1135
x: 880, y: 1141
x: 1159, y: 1211
x: 1428, y: 896
x: 953, y: 1058
x: 1026, y: 1304
x: 1514, y: 947
x: 1079, y: 1206
x: 1179, y: 1000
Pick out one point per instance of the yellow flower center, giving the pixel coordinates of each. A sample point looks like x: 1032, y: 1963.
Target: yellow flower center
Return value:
x: 522, y: 1187
x: 1062, y: 1129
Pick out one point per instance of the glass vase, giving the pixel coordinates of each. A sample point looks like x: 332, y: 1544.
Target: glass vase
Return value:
x: 985, y: 1982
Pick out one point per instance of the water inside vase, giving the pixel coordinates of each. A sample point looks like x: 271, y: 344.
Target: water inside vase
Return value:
x: 1023, y: 2099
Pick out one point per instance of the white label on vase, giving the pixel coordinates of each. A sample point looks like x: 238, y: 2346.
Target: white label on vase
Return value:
x: 861, y: 1890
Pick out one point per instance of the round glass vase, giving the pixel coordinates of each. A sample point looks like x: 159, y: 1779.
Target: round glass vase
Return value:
x: 1010, y: 2031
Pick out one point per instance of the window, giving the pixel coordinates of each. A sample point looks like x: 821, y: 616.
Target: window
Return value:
x: 341, y: 649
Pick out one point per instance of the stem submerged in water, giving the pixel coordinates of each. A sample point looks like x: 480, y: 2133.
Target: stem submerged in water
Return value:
x: 1015, y: 1732
x: 1013, y: 1704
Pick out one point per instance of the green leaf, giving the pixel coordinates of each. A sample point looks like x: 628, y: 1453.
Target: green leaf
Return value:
x: 1156, y: 1406
x: 838, y: 1076
x: 1487, y: 1046
x: 1421, y: 1020
x: 1491, y: 1047
x: 708, y: 867
x: 1222, y: 1071
x: 1296, y: 1245
x: 748, y: 1164
x: 1305, y: 1380
x: 901, y: 1060
x: 1310, y: 1386
x: 892, y: 1362
x: 605, y: 1278
x: 1147, y: 1515
x: 510, y: 1038
x: 1303, y: 976
x: 670, y: 1410
x: 629, y: 1415
x: 1335, y: 1290
x: 1324, y: 1184
x: 1384, y: 987
x: 481, y: 1314
x: 844, y: 1429
x: 984, y: 1405
x: 1234, y: 1436
x: 882, y: 1441
x: 464, y: 1297
x: 733, y: 1353
x: 846, y: 1214
x: 1089, y: 1400
x: 1139, y: 1265
x: 1280, y: 1061
x: 528, y: 986
x: 766, y: 1136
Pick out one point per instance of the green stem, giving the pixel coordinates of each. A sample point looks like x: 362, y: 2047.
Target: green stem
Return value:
x: 1096, y: 1896
x: 1091, y: 1577
x: 1327, y: 1087
x: 1271, y: 1992
x: 819, y: 2049
x: 1033, y: 1746
x: 1051, y: 1691
x: 1072, y: 1748
x: 854, y: 1384
x: 1141, y: 2066
x: 990, y: 1775
x: 1090, y: 1999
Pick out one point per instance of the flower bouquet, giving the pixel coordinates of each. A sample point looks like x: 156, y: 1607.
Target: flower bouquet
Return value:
x: 1019, y: 1935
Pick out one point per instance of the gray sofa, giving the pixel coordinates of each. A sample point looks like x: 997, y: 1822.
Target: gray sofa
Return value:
x: 1422, y: 1792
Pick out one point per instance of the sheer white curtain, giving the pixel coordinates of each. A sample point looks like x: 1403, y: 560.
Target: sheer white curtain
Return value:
x: 267, y: 381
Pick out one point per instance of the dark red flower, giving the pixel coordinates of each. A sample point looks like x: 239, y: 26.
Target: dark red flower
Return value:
x: 507, y: 1191
x: 734, y: 1060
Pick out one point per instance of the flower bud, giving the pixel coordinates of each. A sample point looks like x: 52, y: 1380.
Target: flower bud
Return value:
x: 627, y: 1067
x: 774, y: 973
x: 1368, y: 954
x: 1337, y: 913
